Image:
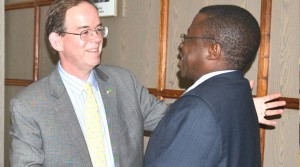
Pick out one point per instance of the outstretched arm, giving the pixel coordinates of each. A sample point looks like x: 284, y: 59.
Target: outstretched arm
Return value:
x: 263, y: 107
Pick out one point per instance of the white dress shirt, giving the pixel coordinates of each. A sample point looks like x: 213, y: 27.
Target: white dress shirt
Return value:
x: 74, y: 88
x: 206, y: 77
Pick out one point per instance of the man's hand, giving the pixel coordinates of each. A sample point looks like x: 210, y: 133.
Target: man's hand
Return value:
x: 263, y: 108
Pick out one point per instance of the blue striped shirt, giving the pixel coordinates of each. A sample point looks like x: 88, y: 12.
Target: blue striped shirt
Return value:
x: 74, y: 87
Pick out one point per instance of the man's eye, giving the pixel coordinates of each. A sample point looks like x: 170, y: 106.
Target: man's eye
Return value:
x: 84, y: 32
x: 99, y: 29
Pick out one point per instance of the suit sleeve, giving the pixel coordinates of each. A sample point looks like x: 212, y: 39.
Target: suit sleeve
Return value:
x: 188, y: 136
x: 26, y: 143
x: 152, y: 109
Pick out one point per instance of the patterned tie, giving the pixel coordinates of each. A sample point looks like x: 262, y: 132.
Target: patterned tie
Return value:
x: 94, y: 131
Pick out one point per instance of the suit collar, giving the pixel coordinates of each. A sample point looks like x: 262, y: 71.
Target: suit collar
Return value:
x: 206, y: 77
x: 108, y: 93
x: 101, y: 75
x: 68, y: 117
x: 57, y: 87
x: 218, y: 78
x: 65, y: 111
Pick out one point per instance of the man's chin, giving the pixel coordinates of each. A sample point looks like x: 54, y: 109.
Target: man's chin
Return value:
x: 182, y: 75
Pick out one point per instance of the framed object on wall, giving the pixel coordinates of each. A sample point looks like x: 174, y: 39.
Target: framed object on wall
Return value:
x: 106, y: 7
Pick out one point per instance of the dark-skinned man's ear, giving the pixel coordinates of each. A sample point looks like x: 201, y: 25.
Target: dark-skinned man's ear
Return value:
x: 214, y: 51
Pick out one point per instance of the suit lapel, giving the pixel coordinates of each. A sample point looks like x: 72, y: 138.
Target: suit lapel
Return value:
x: 109, y: 97
x: 66, y: 114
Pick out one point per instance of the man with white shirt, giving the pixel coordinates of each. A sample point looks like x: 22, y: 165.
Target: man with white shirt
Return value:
x: 214, y: 123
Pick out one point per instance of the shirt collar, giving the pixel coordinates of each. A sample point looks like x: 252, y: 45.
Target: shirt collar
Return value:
x: 206, y: 77
x: 74, y: 83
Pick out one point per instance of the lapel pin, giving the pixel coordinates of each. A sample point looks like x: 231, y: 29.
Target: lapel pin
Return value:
x: 108, y: 91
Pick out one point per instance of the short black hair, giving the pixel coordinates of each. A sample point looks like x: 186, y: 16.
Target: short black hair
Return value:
x: 237, y: 32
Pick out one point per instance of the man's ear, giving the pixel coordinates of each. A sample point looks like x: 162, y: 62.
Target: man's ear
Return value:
x: 214, y: 51
x: 56, y: 41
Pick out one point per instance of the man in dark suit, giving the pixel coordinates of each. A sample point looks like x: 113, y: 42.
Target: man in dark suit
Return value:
x: 214, y: 123
x: 48, y: 117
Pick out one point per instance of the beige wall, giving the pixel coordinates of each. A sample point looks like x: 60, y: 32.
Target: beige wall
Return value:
x: 2, y: 116
x: 133, y: 43
x: 283, y: 142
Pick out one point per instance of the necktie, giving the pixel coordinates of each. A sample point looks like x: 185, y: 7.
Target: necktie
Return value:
x: 94, y: 131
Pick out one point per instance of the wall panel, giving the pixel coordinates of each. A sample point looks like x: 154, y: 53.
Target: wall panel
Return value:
x: 13, y: 1
x: 19, y: 43
x: 2, y: 78
x: 283, y: 141
x: 132, y: 40
x: 281, y: 146
x: 48, y: 60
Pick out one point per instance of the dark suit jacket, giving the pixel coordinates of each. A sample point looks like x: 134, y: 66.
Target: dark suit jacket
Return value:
x: 213, y: 125
x: 45, y: 130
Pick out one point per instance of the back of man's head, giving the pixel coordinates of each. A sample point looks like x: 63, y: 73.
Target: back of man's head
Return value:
x: 235, y: 30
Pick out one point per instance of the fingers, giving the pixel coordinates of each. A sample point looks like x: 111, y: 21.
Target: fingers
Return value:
x: 271, y: 97
x: 268, y: 122
x: 275, y: 104
x: 263, y: 120
x: 267, y: 106
x: 273, y: 112
x: 251, y: 82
